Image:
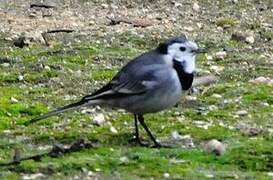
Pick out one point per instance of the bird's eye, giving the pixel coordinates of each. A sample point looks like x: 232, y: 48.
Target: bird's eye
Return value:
x: 182, y: 49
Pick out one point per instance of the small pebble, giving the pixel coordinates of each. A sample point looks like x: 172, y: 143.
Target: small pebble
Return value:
x: 47, y: 68
x: 262, y: 79
x: 217, y: 96
x: 124, y: 159
x: 176, y: 136
x: 177, y: 4
x: 212, y: 107
x: 209, y: 175
x: 99, y: 119
x: 250, y: 39
x: 5, y: 64
x: 216, y: 69
x: 32, y: 176
x: 191, y: 98
x: 209, y: 57
x: 166, y: 175
x: 20, y: 78
x: 184, y: 141
x: 188, y: 28
x: 241, y: 113
x: 105, y: 6
x: 202, y: 124
x: 249, y: 130
x: 215, y: 146
x: 13, y: 100
x: 90, y: 174
x: 221, y: 55
x: 113, y: 130
x: 196, y: 7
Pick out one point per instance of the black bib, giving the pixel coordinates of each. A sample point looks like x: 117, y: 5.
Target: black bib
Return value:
x: 185, y: 79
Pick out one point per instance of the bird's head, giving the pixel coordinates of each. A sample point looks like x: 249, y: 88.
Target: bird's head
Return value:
x: 181, y: 50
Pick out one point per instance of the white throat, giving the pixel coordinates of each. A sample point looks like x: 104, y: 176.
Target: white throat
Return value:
x: 188, y: 62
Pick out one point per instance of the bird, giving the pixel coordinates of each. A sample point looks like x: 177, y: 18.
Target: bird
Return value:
x: 152, y: 82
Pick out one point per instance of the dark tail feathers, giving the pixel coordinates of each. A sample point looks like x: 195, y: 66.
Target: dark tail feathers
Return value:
x: 57, y: 111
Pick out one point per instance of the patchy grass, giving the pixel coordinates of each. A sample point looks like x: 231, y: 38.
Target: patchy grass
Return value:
x: 226, y: 22
x: 115, y: 154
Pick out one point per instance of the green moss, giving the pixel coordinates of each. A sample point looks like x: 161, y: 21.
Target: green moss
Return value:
x: 8, y: 78
x: 255, y: 155
x: 261, y: 93
x: 102, y: 74
x: 28, y: 166
x: 226, y: 22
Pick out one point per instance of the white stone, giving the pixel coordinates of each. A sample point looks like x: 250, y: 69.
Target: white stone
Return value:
x: 217, y: 96
x: 202, y: 124
x: 99, y: 119
x: 177, y: 4
x: 5, y: 65
x: 191, y: 98
x: 166, y: 175
x: 209, y: 57
x: 209, y: 175
x: 250, y: 39
x: 113, y: 130
x: 212, y: 107
x: 261, y: 79
x: 241, y: 113
x: 13, y: 100
x: 188, y: 28
x: 221, y: 55
x: 47, y: 68
x: 32, y: 176
x: 124, y: 159
x: 176, y: 136
x: 216, y: 69
x: 215, y: 146
x: 196, y: 7
x: 105, y: 6
x: 199, y: 25
x: 20, y: 78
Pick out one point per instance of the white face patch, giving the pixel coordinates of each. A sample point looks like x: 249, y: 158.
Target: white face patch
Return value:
x: 185, y: 56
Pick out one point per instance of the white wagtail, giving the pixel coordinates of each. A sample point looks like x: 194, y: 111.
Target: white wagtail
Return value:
x: 152, y: 82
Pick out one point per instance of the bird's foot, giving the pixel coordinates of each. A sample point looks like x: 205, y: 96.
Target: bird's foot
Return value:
x: 158, y: 145
x: 137, y: 141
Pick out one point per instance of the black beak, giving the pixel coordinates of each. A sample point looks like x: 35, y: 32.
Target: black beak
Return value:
x: 200, y: 50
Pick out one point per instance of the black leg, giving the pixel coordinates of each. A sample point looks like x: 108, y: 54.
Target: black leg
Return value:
x: 141, y: 121
x: 136, y: 130
x: 137, y: 138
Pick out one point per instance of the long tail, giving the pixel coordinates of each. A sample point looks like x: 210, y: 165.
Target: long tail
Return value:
x: 57, y: 111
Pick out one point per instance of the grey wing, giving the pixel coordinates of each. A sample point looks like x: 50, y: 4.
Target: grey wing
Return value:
x: 128, y: 83
x: 117, y: 88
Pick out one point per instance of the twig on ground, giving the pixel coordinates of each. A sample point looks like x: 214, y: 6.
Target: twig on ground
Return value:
x: 55, y: 31
x: 61, y: 30
x: 42, y: 6
x: 135, y: 23
x: 57, y: 151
